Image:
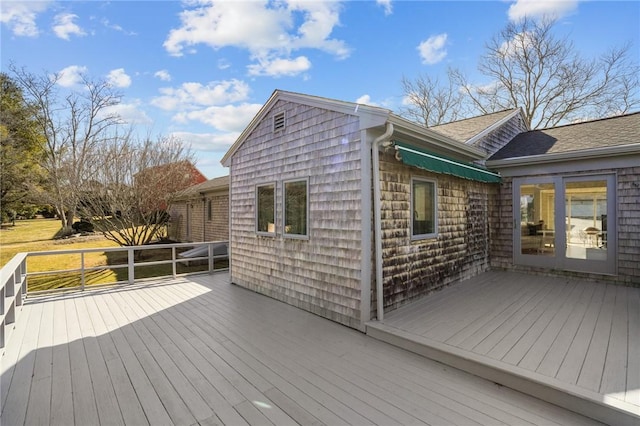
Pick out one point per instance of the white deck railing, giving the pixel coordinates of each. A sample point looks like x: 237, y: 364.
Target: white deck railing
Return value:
x: 15, y: 276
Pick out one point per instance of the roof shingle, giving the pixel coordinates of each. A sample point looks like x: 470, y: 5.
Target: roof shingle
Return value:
x: 607, y: 132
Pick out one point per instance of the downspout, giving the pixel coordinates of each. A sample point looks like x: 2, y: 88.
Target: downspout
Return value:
x: 204, y: 216
x: 377, y: 195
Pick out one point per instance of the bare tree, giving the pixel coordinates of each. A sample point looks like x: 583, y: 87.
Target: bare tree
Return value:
x: 530, y: 67
x: 135, y: 181
x: 74, y: 125
x: 429, y: 102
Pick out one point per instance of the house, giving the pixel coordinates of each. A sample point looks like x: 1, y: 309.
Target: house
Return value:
x: 348, y: 210
x: 158, y: 181
x: 201, y: 212
x: 572, y: 196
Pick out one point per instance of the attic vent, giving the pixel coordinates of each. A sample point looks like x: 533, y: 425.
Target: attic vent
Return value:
x: 278, y: 122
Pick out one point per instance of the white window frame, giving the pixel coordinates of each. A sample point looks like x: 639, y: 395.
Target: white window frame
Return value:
x: 433, y: 234
x: 284, y: 209
x: 274, y: 185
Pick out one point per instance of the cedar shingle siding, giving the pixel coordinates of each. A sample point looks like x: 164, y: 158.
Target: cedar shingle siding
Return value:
x: 461, y: 248
x: 322, y: 273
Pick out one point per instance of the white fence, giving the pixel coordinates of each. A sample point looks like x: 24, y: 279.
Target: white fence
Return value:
x: 15, y: 276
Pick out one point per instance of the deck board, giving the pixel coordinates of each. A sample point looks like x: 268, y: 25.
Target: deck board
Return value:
x: 202, y: 351
x: 584, y: 334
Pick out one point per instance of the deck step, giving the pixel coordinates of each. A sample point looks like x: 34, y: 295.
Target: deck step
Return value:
x: 599, y: 407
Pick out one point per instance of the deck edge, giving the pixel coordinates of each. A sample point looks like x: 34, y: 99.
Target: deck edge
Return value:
x: 599, y: 407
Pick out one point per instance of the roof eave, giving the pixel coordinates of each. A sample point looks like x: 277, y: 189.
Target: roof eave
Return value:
x: 587, y: 154
x: 417, y: 132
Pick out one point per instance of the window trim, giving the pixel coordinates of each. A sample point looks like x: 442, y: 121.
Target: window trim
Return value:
x: 257, y: 188
x: 433, y: 234
x: 209, y: 209
x: 285, y: 234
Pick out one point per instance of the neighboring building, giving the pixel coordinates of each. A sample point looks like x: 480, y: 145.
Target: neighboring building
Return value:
x: 346, y: 210
x: 167, y: 179
x: 201, y: 212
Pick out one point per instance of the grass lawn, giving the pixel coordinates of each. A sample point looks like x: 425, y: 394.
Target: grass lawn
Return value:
x: 37, y: 235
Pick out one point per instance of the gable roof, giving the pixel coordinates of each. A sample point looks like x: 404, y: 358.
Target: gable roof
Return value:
x: 215, y: 184
x: 466, y: 129
x: 374, y: 115
x: 619, y: 131
x: 370, y: 117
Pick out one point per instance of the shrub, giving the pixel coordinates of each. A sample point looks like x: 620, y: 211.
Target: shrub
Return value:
x: 83, y: 226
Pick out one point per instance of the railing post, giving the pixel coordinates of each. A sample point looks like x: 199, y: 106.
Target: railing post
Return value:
x: 82, y: 279
x: 173, y: 261
x: 130, y: 265
x: 211, y: 260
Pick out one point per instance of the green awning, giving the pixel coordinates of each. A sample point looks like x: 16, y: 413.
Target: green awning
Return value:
x: 415, y: 157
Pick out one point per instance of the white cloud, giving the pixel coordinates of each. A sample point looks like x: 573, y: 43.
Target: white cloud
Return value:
x: 280, y: 67
x: 537, y: 9
x: 274, y: 31
x: 20, y: 17
x: 163, y: 75
x: 117, y: 27
x: 223, y: 64
x: 228, y: 118
x: 130, y: 113
x: 366, y: 100
x: 71, y: 75
x: 386, y: 5
x: 517, y: 45
x: 63, y: 26
x: 193, y: 95
x: 432, y: 50
x: 208, y: 142
x: 119, y: 78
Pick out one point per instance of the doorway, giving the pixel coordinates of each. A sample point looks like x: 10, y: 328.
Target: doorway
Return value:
x: 566, y: 223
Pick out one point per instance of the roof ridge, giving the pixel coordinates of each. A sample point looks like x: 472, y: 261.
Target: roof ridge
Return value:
x: 474, y: 117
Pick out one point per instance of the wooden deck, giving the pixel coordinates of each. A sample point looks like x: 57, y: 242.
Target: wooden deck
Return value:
x: 545, y: 333
x: 201, y: 351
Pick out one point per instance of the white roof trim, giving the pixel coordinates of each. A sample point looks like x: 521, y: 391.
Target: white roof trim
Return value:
x: 593, y: 153
x: 370, y: 116
x: 494, y: 126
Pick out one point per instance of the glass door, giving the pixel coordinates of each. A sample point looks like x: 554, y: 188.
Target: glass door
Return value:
x: 535, y: 227
x: 565, y: 223
x: 589, y: 224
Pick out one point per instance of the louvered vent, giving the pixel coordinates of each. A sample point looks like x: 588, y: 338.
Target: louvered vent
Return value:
x: 278, y: 122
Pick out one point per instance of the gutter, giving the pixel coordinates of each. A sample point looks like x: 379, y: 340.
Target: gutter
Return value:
x: 382, y: 140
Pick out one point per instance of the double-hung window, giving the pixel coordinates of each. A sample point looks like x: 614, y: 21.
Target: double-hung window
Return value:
x: 266, y: 209
x: 296, y: 208
x: 424, y: 201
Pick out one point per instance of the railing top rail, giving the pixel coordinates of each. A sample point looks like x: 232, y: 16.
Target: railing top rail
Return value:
x: 122, y: 248
x: 10, y: 267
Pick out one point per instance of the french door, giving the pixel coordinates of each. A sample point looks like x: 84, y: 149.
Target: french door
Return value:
x: 566, y: 223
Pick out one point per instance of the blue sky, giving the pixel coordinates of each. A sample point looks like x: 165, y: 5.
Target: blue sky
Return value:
x: 201, y: 69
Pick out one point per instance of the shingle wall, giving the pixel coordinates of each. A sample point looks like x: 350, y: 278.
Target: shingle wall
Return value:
x: 499, y: 137
x: 320, y: 274
x: 628, y: 199
x: 202, y: 229
x: 461, y: 248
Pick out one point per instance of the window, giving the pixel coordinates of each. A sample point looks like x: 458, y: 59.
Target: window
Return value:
x: 423, y: 205
x: 296, y: 208
x: 265, y: 209
x: 278, y: 122
x: 209, y: 210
